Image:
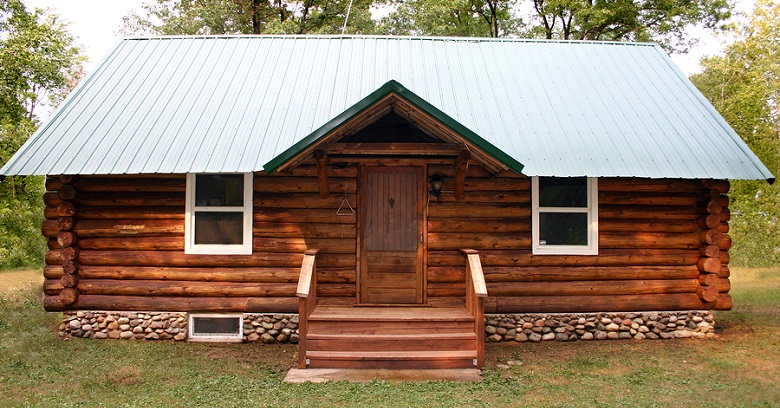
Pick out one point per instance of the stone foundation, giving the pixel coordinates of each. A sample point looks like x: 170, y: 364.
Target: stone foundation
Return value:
x: 277, y: 328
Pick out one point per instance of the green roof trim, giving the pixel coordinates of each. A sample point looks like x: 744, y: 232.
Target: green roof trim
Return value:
x: 395, y: 87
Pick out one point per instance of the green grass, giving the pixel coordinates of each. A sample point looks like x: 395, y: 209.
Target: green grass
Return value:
x: 739, y: 368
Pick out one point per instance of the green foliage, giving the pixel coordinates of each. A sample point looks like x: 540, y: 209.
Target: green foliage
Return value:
x: 39, y: 64
x: 187, y: 17
x: 744, y: 86
x: 465, y: 18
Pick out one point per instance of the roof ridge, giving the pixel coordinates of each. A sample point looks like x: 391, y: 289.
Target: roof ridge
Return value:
x: 392, y: 37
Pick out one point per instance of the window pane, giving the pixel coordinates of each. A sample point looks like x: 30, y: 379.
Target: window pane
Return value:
x: 215, y: 325
x: 219, y: 190
x: 563, y: 192
x: 563, y: 229
x: 221, y: 228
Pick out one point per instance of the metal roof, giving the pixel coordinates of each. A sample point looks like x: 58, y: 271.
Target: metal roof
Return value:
x: 232, y: 104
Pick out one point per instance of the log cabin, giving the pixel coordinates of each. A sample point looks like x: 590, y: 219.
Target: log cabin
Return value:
x: 376, y: 186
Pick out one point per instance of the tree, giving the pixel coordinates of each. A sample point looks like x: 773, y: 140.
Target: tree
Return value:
x: 39, y: 64
x: 663, y: 21
x: 188, y: 17
x: 744, y: 86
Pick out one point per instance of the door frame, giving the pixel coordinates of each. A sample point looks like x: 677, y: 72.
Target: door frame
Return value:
x: 422, y: 227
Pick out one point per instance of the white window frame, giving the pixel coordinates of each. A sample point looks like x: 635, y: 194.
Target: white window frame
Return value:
x: 215, y: 338
x: 593, y: 222
x: 189, y: 221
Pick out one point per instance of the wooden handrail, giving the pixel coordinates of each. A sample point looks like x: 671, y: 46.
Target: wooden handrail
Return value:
x: 307, y: 300
x: 476, y: 292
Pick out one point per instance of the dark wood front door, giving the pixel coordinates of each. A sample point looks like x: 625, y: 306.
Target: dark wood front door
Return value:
x: 391, y: 233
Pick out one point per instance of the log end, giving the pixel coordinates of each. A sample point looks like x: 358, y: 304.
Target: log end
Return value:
x: 69, y: 296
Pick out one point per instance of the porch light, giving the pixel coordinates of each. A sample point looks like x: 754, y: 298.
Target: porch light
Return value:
x: 436, y: 183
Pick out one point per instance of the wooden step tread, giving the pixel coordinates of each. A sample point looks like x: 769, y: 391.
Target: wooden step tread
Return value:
x: 392, y: 355
x: 381, y: 314
x: 398, y: 337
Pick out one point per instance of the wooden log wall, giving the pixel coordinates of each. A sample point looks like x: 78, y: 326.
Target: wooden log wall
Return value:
x: 651, y: 251
x: 117, y: 243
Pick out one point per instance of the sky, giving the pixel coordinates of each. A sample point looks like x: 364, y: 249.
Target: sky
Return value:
x: 95, y: 24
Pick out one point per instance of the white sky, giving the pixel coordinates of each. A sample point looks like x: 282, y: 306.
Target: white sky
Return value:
x: 95, y: 24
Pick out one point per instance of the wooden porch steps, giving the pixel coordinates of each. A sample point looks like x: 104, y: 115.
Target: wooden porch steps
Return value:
x: 390, y: 337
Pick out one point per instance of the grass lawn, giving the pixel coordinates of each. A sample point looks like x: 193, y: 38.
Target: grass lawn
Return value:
x: 739, y: 368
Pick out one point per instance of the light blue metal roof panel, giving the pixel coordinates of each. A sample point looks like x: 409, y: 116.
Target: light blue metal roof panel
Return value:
x: 232, y: 104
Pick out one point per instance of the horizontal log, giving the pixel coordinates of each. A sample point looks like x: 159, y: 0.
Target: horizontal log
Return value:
x: 724, y: 271
x: 67, y: 192
x: 474, y: 171
x: 65, y: 223
x: 69, y: 281
x: 590, y: 288
x: 582, y: 304
x: 132, y: 185
x: 49, y: 228
x: 178, y: 259
x: 478, y: 241
x: 53, y: 257
x: 480, y: 225
x: 654, y: 199
x: 134, y: 243
x: 297, y: 245
x: 310, y: 170
x: 66, y: 238
x: 709, y: 265
x: 520, y: 186
x: 52, y: 243
x: 68, y: 178
x: 722, y: 186
x: 303, y: 185
x: 723, y: 227
x: 70, y: 267
x: 308, y: 200
x: 336, y: 290
x: 50, y: 198
x: 708, y: 293
x: 184, y: 288
x: 476, y: 210
x: 52, y: 287
x: 66, y: 209
x: 709, y: 221
x: 709, y: 251
x: 53, y: 183
x: 652, y: 212
x: 303, y: 230
x: 142, y: 199
x: 213, y: 274
x: 634, y: 185
x: 710, y: 236
x: 90, y: 212
x: 725, y: 214
x: 709, y: 279
x: 606, y: 257
x: 297, y: 215
x: 646, y: 225
x: 68, y: 296
x: 725, y: 242
x: 629, y: 240
x: 139, y: 228
x: 532, y: 274
x: 50, y: 212
x: 506, y: 196
x: 346, y: 275
x: 176, y: 304
x: 52, y: 272
x: 724, y: 285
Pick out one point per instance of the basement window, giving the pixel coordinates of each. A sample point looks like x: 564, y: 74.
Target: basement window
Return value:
x: 565, y: 215
x: 218, y: 216
x: 216, y: 327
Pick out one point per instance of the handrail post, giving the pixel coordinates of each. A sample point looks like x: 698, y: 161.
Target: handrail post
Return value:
x: 476, y: 292
x: 307, y: 300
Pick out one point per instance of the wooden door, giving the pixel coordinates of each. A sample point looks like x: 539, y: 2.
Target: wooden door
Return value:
x: 391, y: 233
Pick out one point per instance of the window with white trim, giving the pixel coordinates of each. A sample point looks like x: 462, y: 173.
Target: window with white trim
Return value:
x: 218, y: 218
x: 564, y: 220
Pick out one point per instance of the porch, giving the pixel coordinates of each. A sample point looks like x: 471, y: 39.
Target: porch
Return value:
x: 391, y: 335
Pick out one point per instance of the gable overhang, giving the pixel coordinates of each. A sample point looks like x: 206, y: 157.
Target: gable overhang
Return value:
x: 394, y: 97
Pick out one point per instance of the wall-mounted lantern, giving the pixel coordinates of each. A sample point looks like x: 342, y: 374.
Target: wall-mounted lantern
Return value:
x: 436, y: 183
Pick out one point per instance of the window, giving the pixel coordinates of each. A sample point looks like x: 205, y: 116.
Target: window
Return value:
x: 216, y: 327
x: 565, y: 215
x: 218, y: 214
